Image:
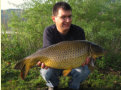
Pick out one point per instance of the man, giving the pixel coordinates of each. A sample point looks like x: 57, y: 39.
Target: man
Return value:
x: 62, y: 30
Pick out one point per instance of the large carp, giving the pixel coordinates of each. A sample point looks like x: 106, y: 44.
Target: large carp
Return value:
x: 64, y: 55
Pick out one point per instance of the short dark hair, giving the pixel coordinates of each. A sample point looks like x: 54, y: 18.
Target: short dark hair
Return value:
x: 63, y: 5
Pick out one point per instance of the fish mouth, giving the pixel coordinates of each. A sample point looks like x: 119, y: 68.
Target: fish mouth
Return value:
x: 92, y: 60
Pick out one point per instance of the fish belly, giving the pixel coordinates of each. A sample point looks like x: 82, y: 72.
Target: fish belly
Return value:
x: 66, y: 63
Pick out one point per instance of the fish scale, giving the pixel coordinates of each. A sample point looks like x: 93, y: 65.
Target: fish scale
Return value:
x: 63, y: 55
x: 67, y: 55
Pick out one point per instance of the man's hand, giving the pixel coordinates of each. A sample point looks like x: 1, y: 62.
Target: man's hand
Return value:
x: 87, y: 61
x: 42, y: 65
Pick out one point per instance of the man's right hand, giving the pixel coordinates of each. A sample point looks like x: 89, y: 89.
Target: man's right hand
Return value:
x: 42, y: 65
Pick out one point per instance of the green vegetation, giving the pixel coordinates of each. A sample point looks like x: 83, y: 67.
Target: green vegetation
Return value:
x: 98, y: 79
x: 101, y: 21
x: 7, y: 14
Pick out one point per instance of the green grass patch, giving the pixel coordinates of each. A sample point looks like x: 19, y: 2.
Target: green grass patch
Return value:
x: 97, y: 79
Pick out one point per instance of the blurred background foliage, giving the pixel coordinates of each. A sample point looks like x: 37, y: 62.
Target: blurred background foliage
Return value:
x: 100, y: 19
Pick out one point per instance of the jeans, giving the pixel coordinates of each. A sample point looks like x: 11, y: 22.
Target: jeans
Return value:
x: 51, y: 76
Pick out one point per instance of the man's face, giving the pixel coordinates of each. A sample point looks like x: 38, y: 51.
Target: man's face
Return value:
x: 63, y: 20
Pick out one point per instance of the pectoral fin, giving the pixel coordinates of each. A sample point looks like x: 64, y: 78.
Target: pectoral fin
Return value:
x: 66, y: 72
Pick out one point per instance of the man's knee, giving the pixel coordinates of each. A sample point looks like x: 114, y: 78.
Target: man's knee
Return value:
x: 86, y: 70
x: 46, y: 73
x: 81, y: 72
x: 50, y: 73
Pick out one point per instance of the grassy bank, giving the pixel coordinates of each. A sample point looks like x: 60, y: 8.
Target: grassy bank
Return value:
x: 98, y: 79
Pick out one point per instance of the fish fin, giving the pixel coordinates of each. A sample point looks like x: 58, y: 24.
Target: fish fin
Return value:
x: 24, y: 67
x: 66, y: 72
x: 19, y: 65
x: 22, y: 75
x: 24, y: 72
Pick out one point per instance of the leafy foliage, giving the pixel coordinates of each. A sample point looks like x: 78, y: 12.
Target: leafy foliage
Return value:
x: 10, y: 79
x: 101, y: 20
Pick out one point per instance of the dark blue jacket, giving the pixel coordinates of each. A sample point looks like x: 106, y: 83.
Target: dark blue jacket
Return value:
x: 52, y: 36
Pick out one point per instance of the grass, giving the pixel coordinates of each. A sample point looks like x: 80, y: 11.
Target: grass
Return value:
x: 98, y: 79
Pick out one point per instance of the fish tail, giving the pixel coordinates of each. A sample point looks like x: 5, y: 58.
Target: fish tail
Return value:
x: 19, y: 65
x: 23, y: 67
